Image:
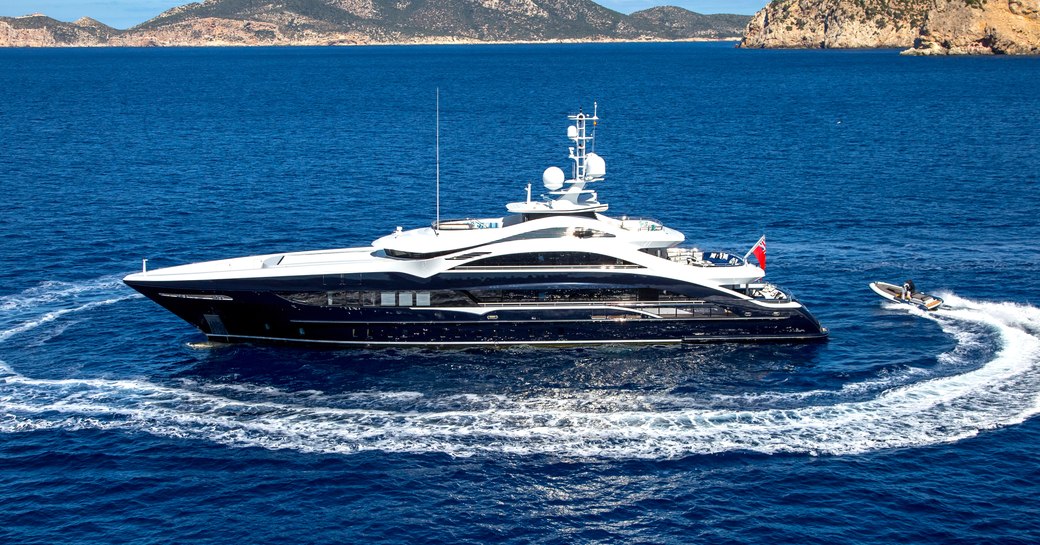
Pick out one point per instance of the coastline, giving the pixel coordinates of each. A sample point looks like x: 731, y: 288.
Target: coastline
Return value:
x: 350, y: 43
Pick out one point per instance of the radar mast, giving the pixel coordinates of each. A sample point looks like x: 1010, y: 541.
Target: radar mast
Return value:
x: 569, y: 196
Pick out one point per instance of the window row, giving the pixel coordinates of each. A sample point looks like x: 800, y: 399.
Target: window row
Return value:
x: 462, y: 298
x: 549, y: 259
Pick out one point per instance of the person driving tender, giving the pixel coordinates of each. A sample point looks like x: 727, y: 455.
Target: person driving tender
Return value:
x: 908, y: 289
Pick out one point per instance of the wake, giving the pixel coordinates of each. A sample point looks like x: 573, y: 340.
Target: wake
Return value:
x: 1001, y: 391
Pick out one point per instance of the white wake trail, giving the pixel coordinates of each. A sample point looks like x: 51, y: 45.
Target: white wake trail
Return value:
x: 1002, y: 391
x: 51, y: 300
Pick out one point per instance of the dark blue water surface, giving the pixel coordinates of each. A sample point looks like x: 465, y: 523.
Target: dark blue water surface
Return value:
x: 119, y: 425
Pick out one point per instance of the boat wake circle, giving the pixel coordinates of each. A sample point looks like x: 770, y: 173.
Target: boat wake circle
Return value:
x: 997, y: 389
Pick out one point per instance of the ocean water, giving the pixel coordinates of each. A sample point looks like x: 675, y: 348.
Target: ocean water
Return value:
x: 118, y: 424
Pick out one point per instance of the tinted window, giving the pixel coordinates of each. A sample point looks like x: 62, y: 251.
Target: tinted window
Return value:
x: 564, y: 295
x: 551, y: 259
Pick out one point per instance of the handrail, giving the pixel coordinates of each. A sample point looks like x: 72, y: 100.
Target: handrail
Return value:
x: 643, y: 224
x: 466, y: 224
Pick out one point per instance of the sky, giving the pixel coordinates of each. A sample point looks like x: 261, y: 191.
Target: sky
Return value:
x: 127, y: 13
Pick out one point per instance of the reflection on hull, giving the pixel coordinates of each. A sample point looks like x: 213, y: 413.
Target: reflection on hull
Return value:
x: 265, y: 317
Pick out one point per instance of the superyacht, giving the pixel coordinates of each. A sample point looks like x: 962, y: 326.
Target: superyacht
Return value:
x: 551, y: 271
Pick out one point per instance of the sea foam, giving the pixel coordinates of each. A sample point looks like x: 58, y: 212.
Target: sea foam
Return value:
x: 913, y: 409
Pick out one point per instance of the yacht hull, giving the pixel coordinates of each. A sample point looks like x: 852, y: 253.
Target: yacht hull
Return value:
x: 265, y: 316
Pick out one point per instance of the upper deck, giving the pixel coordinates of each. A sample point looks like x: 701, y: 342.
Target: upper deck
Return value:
x: 456, y: 235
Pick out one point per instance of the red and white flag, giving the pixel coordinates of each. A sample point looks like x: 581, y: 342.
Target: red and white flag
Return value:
x: 759, y: 249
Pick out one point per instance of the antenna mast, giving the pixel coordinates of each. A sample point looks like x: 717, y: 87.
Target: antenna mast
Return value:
x: 595, y: 121
x: 437, y: 223
x: 580, y: 153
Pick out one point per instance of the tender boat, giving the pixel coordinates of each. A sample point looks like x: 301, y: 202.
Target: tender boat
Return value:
x: 894, y: 293
x: 553, y: 271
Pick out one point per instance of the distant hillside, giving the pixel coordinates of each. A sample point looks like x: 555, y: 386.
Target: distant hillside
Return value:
x: 680, y: 23
x: 334, y: 22
x: 42, y: 31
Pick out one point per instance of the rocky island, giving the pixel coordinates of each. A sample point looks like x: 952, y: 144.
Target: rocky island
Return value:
x: 922, y: 27
x: 354, y: 22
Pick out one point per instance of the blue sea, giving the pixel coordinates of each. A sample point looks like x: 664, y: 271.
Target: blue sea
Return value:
x: 120, y: 424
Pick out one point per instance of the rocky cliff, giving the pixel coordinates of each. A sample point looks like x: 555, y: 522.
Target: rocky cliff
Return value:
x: 927, y: 26
x: 334, y: 22
x: 993, y: 26
x: 836, y: 24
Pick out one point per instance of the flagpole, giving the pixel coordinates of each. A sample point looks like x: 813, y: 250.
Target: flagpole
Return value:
x: 759, y: 249
x: 755, y: 245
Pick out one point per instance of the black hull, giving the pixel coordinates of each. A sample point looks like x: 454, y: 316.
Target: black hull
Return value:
x: 265, y: 317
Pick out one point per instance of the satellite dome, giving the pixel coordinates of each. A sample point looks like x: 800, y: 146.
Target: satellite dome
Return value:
x: 553, y: 178
x: 572, y: 131
x: 595, y: 166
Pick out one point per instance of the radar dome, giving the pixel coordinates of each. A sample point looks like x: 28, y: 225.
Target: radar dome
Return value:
x: 595, y: 166
x: 572, y: 131
x: 553, y: 178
